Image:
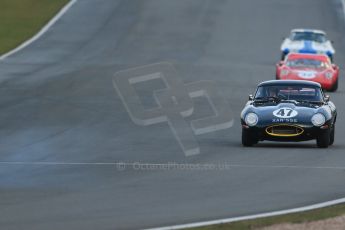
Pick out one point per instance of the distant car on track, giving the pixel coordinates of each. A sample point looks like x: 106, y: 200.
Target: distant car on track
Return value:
x: 312, y: 67
x: 307, y: 41
x: 289, y: 110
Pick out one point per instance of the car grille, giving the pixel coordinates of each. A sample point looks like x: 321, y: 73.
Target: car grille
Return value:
x: 284, y: 130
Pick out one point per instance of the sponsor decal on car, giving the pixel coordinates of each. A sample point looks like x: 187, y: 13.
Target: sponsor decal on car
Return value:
x: 284, y: 120
x: 285, y: 112
x: 285, y: 115
x: 307, y: 74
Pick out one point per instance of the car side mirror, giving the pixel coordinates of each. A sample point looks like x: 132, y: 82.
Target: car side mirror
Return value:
x: 251, y: 97
x: 327, y: 98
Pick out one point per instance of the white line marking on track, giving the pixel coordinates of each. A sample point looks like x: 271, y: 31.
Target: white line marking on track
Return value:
x: 42, y: 31
x: 249, y: 217
x: 223, y: 165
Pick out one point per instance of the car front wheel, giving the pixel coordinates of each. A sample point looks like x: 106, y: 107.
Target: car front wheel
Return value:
x: 335, y: 86
x: 324, y: 139
x: 248, y: 138
x: 332, y: 135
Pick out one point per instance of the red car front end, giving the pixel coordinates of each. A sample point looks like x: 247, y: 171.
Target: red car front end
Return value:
x: 312, y: 67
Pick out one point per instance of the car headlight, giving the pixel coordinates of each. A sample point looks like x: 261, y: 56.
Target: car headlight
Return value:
x: 251, y: 119
x: 318, y: 119
x: 284, y: 72
x: 329, y: 75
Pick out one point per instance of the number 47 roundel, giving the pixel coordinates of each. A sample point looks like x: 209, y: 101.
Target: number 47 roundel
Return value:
x: 285, y: 113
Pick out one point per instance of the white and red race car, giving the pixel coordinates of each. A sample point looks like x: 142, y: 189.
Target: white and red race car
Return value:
x: 307, y: 41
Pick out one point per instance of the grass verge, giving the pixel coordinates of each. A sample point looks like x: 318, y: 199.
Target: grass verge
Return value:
x: 308, y: 216
x: 22, y: 19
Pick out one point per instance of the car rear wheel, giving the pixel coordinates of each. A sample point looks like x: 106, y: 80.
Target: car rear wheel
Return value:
x: 332, y: 135
x: 248, y: 138
x: 324, y: 139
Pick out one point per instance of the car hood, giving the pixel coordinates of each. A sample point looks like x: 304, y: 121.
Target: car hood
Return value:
x: 285, y: 113
x: 307, y: 46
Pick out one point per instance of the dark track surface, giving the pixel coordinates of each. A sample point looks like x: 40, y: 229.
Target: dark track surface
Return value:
x: 57, y: 104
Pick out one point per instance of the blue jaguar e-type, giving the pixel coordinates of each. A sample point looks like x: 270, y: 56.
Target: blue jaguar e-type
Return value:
x: 285, y: 110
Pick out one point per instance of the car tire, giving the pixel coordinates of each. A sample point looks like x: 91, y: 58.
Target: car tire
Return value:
x: 248, y: 138
x: 324, y: 139
x: 332, y: 136
x: 335, y: 86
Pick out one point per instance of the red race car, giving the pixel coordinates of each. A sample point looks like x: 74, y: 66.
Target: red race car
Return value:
x: 312, y: 67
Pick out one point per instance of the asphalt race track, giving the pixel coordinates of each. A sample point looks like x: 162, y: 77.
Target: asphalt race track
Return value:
x: 63, y: 125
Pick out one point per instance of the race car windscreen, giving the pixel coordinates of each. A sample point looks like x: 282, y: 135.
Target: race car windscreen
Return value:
x: 308, y: 36
x: 290, y: 92
x: 307, y: 63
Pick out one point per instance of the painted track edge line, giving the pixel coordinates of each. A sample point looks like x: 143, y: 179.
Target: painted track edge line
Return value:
x: 255, y: 216
x: 41, y: 32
